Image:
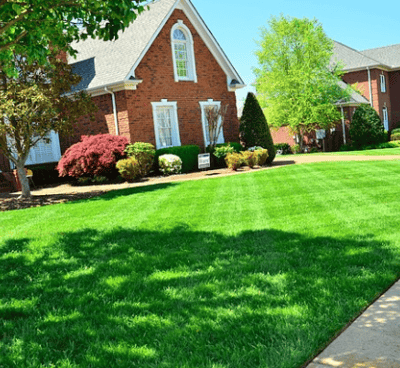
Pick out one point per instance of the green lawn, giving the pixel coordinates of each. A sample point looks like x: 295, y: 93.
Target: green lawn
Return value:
x: 252, y: 270
x: 373, y: 152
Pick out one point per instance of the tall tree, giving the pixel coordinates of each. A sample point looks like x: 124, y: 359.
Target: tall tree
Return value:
x: 28, y: 27
x: 296, y: 82
x: 33, y: 104
x: 254, y: 129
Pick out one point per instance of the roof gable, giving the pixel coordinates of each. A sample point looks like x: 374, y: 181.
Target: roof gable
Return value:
x: 104, y: 63
x: 351, y: 58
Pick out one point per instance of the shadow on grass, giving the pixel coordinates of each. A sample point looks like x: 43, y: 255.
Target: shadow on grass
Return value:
x: 181, y: 298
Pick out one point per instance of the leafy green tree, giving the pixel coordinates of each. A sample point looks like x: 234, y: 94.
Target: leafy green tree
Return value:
x: 35, y: 103
x: 254, y: 129
x: 366, y: 127
x: 296, y: 82
x: 29, y: 27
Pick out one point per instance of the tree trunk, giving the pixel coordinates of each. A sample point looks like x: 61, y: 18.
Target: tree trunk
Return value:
x: 26, y: 190
x: 300, y: 135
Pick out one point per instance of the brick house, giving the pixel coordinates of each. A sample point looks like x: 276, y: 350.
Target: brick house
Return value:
x: 377, y: 74
x: 153, y: 83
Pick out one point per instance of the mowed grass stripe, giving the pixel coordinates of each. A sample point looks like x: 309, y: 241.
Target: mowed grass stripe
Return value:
x: 255, y: 270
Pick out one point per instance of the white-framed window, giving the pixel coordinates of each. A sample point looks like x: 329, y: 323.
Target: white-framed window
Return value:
x: 383, y: 83
x: 183, y: 53
x: 166, y: 127
x: 385, y: 118
x: 44, y: 152
x: 204, y: 105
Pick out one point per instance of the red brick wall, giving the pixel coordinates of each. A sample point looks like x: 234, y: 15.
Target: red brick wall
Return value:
x: 282, y: 135
x: 379, y: 99
x: 394, y: 86
x: 135, y: 113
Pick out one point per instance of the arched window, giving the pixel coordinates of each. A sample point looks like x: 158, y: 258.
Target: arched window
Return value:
x: 182, y: 53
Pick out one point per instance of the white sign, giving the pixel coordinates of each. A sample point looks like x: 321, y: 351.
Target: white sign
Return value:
x: 320, y: 133
x: 204, y: 161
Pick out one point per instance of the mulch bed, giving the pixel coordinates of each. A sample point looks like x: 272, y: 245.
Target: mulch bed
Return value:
x: 10, y: 201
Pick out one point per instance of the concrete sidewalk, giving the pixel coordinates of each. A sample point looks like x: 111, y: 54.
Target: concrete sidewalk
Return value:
x: 371, y: 341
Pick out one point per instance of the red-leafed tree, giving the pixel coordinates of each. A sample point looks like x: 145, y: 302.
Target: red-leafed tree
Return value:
x: 95, y: 155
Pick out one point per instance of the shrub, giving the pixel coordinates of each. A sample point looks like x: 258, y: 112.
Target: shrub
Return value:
x: 188, y: 155
x: 262, y: 156
x: 395, y: 137
x: 236, y: 146
x: 295, y: 148
x: 395, y: 131
x: 366, y: 127
x: 222, y: 151
x: 94, y: 155
x: 144, y: 154
x: 313, y: 150
x: 346, y: 147
x: 282, y: 148
x: 250, y: 158
x: 234, y: 160
x: 170, y: 164
x: 130, y: 168
x: 254, y: 129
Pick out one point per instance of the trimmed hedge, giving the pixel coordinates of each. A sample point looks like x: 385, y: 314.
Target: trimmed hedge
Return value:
x: 188, y: 155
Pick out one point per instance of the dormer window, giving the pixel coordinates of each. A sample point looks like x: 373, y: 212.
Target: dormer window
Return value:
x: 182, y: 53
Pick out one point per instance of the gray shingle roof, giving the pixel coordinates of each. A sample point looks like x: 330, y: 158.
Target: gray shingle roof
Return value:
x: 351, y: 58
x: 355, y: 97
x: 389, y: 55
x: 101, y: 63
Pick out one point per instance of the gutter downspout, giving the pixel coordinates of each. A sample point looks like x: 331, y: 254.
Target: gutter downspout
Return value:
x: 370, y: 87
x: 343, y: 125
x: 114, y: 109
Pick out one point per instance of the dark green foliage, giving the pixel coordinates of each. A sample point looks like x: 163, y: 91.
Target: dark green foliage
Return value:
x: 188, y: 155
x: 254, y: 130
x: 366, y: 127
x: 283, y: 147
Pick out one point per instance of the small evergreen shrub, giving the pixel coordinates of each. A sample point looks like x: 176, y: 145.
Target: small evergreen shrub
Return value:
x: 295, y: 148
x: 282, y: 149
x: 254, y: 129
x: 222, y: 151
x: 250, y: 158
x: 395, y: 131
x: 366, y: 127
x: 395, y: 136
x: 236, y: 146
x: 170, y: 164
x: 262, y: 156
x: 144, y: 154
x: 130, y: 168
x: 313, y: 150
x: 346, y: 147
x: 95, y: 155
x: 188, y: 154
x: 234, y: 160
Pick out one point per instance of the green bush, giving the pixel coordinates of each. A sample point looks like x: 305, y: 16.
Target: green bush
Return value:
x: 366, y: 127
x: 346, y: 147
x: 188, y: 155
x: 222, y: 151
x: 250, y: 158
x: 283, y: 148
x: 170, y: 164
x: 395, y: 131
x: 129, y: 168
x: 395, y: 136
x: 144, y: 154
x: 254, y: 129
x: 262, y: 156
x: 295, y: 148
x: 234, y: 160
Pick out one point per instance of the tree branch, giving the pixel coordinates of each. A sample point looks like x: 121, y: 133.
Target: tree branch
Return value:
x: 15, y: 20
x: 9, y: 44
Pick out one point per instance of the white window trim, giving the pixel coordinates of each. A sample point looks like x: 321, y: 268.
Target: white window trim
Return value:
x: 190, y: 53
x: 385, y: 118
x: 203, y: 104
x: 383, y: 83
x: 175, y: 127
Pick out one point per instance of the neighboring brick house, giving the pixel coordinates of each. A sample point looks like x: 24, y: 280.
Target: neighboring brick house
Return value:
x: 153, y: 83
x: 377, y: 74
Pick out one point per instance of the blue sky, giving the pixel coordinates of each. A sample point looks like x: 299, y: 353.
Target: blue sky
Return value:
x: 358, y: 24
